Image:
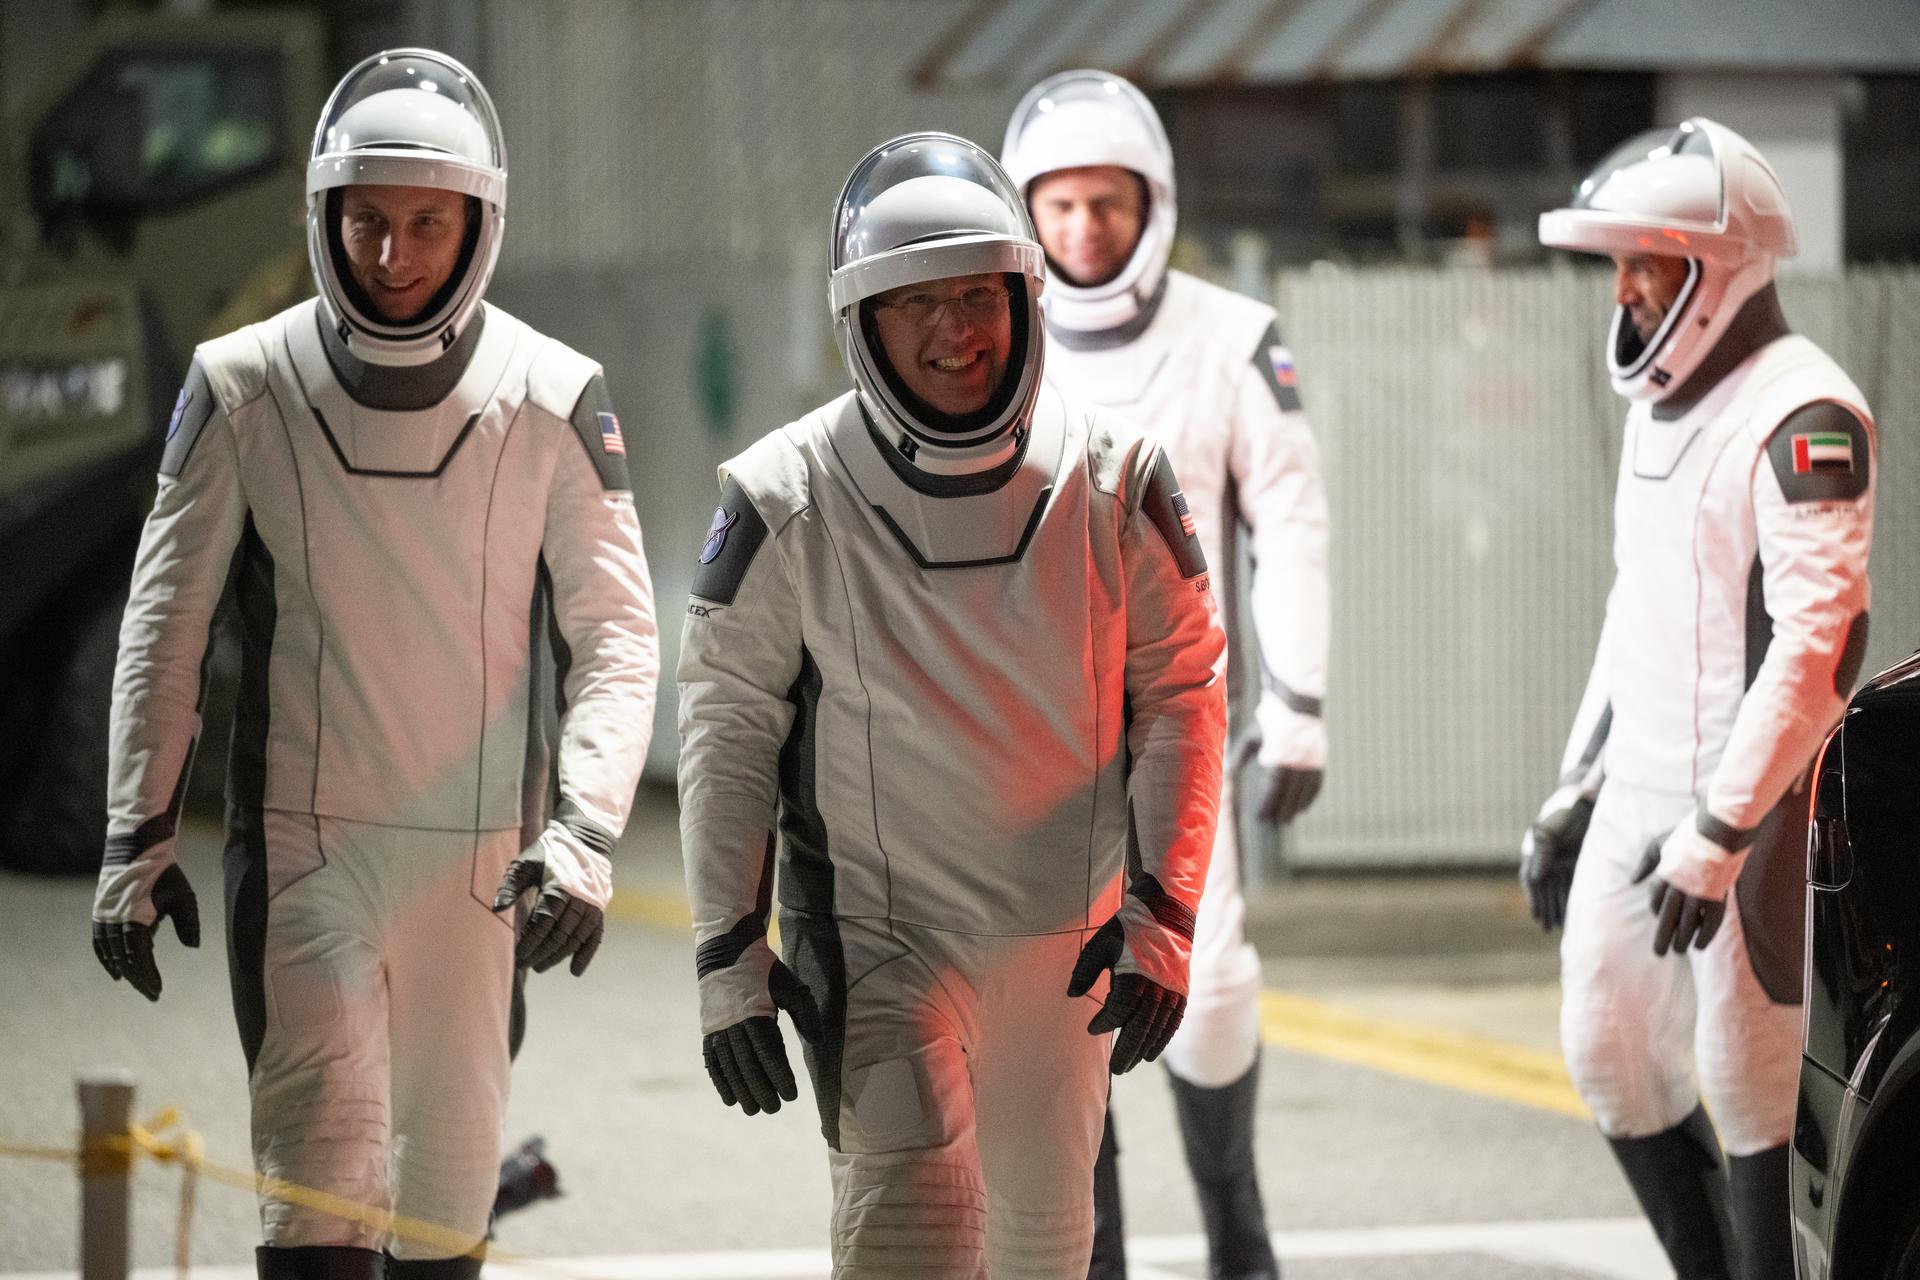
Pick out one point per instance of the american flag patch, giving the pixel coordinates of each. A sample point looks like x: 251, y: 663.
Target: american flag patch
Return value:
x: 610, y: 438
x: 1282, y: 360
x: 1186, y: 516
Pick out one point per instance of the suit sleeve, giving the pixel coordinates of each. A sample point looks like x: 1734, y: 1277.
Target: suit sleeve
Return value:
x: 1813, y: 512
x: 186, y: 549
x: 741, y: 652
x: 1176, y: 732
x: 1275, y: 464
x: 603, y: 610
x: 1582, y: 767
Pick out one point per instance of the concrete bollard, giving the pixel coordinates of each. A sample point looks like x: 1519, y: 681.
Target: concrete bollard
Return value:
x: 106, y: 1113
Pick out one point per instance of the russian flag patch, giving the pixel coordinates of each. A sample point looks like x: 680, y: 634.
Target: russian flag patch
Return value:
x: 1821, y: 452
x: 610, y: 438
x: 1282, y: 360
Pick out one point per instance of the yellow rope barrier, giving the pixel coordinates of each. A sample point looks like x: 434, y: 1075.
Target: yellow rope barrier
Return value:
x: 59, y: 1155
x: 158, y: 1141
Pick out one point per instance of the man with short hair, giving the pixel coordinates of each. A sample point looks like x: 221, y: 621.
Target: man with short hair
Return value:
x: 1734, y: 630
x: 952, y: 638
x: 412, y: 493
x: 1205, y: 371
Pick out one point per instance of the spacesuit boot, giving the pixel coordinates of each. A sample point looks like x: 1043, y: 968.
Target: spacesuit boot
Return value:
x: 1757, y: 1202
x: 461, y: 1268
x: 1216, y: 1126
x: 318, y: 1262
x: 1677, y: 1177
x: 1109, y: 1261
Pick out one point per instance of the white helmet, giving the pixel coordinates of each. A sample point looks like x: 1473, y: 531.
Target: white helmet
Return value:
x: 1078, y: 119
x: 416, y: 118
x: 928, y: 206
x: 1699, y: 192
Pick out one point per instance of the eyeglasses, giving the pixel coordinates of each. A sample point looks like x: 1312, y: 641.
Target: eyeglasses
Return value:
x: 921, y: 310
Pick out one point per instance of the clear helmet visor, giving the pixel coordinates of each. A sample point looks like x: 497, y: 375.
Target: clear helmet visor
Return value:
x: 410, y: 117
x: 926, y: 207
x: 1670, y: 175
x: 1082, y: 118
x: 406, y: 118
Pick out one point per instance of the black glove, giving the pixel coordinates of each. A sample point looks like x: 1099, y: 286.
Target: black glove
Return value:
x: 747, y: 1061
x: 560, y: 925
x: 125, y: 947
x: 1152, y: 932
x: 1683, y: 919
x: 1286, y: 790
x: 1547, y: 855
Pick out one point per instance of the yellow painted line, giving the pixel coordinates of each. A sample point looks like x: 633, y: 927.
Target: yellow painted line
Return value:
x: 1451, y: 1059
x: 668, y: 911
x: 1455, y: 1060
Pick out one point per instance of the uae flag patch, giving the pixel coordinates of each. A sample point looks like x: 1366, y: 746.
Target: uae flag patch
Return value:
x: 1822, y: 452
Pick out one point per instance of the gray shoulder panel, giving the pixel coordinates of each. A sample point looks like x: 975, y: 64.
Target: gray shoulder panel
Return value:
x: 599, y: 430
x: 1166, y: 506
x: 732, y: 541
x: 1821, y: 453
x: 1275, y: 364
x: 192, y: 410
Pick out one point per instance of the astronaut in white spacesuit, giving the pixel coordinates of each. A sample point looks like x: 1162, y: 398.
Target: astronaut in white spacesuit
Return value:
x: 952, y: 639
x: 1206, y: 372
x: 1734, y: 631
x: 413, y: 493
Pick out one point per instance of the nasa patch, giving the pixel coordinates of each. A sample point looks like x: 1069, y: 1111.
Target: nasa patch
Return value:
x: 732, y: 539
x: 180, y: 403
x: 717, y: 534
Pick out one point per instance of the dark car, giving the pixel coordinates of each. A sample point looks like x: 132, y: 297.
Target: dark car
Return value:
x: 1856, y: 1141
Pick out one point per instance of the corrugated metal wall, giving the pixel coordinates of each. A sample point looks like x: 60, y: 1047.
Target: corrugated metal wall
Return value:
x: 1471, y: 441
x: 1469, y: 431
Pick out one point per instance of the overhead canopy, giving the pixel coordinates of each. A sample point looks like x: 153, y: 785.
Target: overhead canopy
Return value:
x: 1165, y: 43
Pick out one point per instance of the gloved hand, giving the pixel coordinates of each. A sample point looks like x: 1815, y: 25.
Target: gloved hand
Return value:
x: 130, y: 900
x: 1289, y: 753
x: 1147, y: 944
x: 747, y: 1057
x: 1548, y: 852
x: 575, y: 881
x: 1690, y: 892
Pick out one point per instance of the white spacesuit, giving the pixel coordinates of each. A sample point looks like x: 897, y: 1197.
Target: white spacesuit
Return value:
x: 965, y: 666
x: 1206, y: 372
x: 1734, y: 630
x: 409, y: 513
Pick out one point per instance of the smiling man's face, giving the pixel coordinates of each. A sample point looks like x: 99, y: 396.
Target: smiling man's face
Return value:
x: 402, y: 243
x: 949, y: 340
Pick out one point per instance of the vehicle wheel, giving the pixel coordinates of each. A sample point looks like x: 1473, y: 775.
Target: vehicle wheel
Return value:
x: 56, y: 820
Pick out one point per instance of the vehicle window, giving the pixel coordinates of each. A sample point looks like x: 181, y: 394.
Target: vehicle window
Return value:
x: 149, y: 130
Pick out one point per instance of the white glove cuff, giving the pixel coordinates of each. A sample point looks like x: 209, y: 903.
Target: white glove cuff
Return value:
x: 574, y: 866
x: 1697, y: 866
x: 1289, y: 739
x: 1152, y: 950
x: 124, y: 893
x: 1563, y: 798
x: 739, y: 991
